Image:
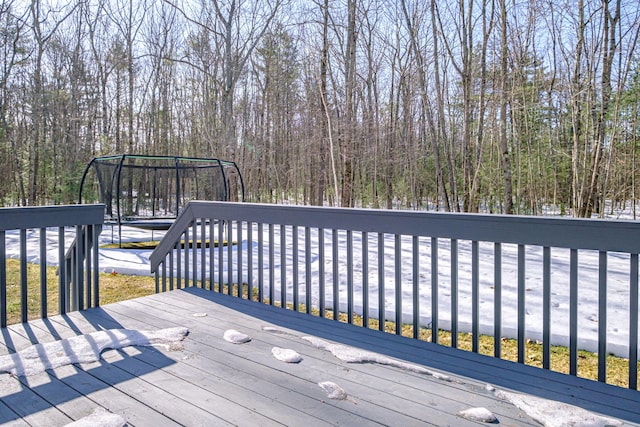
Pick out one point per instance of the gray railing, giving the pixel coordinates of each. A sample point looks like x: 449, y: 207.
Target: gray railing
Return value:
x: 73, y: 230
x: 560, y: 281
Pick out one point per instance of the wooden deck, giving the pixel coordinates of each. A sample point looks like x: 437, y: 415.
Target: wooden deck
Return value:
x: 213, y: 382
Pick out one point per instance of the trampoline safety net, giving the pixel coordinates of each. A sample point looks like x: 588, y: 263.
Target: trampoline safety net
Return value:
x: 138, y: 188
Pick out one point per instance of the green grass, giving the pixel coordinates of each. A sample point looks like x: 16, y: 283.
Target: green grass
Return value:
x: 119, y: 287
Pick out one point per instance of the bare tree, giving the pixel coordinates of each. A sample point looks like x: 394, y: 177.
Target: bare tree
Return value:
x: 504, y: 99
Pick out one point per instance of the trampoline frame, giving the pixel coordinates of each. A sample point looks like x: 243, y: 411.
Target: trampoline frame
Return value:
x: 154, y: 222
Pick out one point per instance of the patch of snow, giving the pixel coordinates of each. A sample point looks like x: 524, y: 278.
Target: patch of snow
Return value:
x: 478, y: 414
x: 286, y: 355
x: 556, y: 414
x: 84, y: 349
x: 235, y: 337
x: 100, y: 417
x: 355, y: 355
x: 199, y: 314
x: 277, y: 331
x: 333, y: 390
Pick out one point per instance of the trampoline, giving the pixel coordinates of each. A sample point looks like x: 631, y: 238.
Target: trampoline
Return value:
x: 150, y: 191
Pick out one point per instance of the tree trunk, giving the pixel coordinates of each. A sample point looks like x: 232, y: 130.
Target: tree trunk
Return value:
x: 504, y: 99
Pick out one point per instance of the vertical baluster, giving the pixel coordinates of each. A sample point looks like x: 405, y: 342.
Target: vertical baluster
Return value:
x: 321, y: 281
x: 416, y: 287
x: 250, y: 260
x: 272, y: 280
x: 23, y: 275
x: 179, y: 264
x: 185, y: 250
x: 80, y: 272
x: 86, y: 236
x: 203, y: 253
x: 475, y: 297
x: 294, y: 267
x: 173, y: 254
x: 164, y: 277
x: 497, y: 300
x: 283, y: 266
x: 521, y: 304
x: 307, y: 267
x: 336, y: 279
x: 62, y: 273
x: 194, y: 252
x: 187, y: 273
x: 350, y: 276
x: 157, y: 277
x: 381, y: 296
x: 602, y: 316
x: 240, y: 261
x: 633, y: 322
x: 365, y: 278
x: 230, y: 258
x: 434, y: 290
x: 260, y: 263
x: 96, y: 267
x: 43, y: 273
x: 573, y: 312
x: 546, y: 307
x: 212, y: 251
x: 454, y: 293
x: 220, y: 253
x: 3, y: 280
x: 397, y: 269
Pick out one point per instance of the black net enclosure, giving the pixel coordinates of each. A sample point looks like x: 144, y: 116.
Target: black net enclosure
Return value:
x: 139, y: 188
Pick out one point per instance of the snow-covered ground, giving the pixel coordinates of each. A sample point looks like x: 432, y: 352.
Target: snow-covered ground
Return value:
x: 124, y: 261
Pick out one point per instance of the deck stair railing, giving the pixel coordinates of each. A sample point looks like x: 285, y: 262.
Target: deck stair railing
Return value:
x: 444, y: 272
x: 74, y: 227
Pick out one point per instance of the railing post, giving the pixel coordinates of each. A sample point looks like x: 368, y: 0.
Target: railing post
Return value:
x: 62, y: 273
x: 3, y: 281
x: 43, y: 273
x: 23, y: 276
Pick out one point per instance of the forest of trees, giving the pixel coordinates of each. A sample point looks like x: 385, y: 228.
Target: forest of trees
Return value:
x: 504, y: 106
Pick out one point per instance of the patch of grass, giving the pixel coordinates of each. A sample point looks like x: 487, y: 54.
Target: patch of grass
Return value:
x: 121, y: 287
x: 14, y: 291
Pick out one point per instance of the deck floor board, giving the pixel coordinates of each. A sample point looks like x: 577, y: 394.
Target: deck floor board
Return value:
x: 212, y: 382
x: 414, y: 387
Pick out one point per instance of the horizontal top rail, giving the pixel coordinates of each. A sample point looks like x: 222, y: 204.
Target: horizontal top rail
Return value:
x: 50, y: 216
x: 572, y: 233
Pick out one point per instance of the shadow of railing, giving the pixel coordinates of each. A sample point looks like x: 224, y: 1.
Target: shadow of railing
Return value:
x: 21, y: 398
